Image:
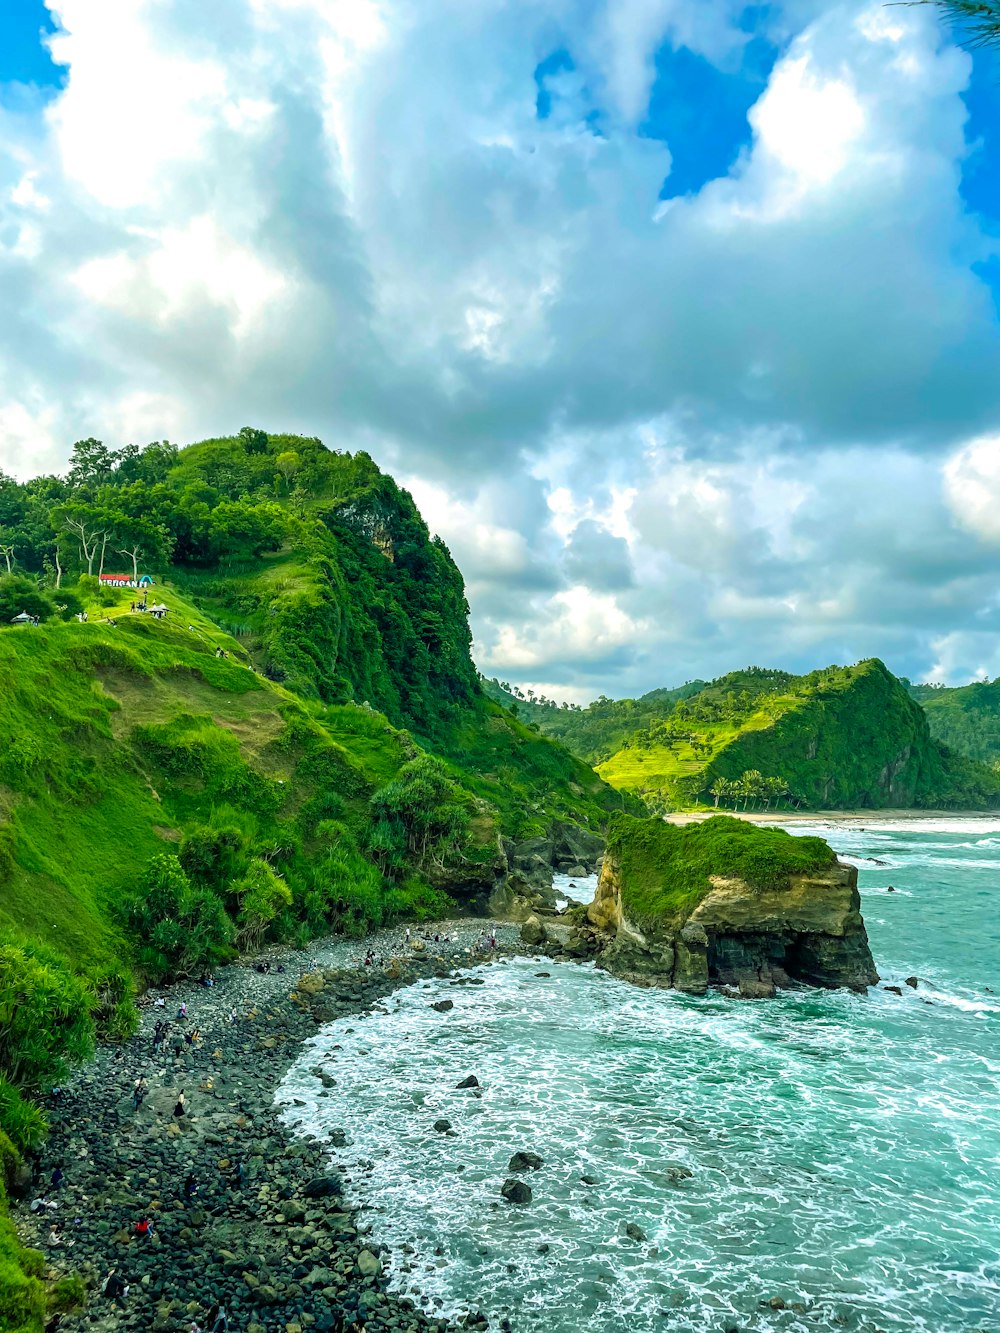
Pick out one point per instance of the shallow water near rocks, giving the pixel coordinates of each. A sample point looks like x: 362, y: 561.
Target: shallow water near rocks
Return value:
x: 844, y: 1151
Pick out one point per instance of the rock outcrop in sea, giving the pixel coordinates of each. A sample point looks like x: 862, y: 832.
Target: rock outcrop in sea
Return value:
x: 723, y: 903
x: 809, y: 930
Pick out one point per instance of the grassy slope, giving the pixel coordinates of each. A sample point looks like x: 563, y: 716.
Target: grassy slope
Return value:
x: 84, y: 804
x: 666, y: 867
x: 840, y: 738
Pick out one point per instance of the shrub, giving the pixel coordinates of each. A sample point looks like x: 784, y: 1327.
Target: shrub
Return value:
x: 20, y: 1120
x: 183, y: 927
x: 45, y: 1021
x: 261, y: 895
x: 417, y: 817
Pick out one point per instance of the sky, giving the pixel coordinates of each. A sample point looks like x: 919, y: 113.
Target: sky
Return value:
x: 680, y: 319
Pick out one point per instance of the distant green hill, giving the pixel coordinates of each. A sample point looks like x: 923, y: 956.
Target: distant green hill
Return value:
x: 966, y: 718
x: 596, y: 732
x: 843, y: 737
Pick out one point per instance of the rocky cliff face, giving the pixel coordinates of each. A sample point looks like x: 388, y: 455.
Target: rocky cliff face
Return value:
x: 808, y: 930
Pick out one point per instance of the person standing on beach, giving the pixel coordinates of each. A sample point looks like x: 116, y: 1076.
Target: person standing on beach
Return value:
x: 218, y: 1320
x: 180, y: 1108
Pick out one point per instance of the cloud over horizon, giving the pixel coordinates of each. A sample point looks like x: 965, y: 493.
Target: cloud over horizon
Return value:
x: 665, y: 433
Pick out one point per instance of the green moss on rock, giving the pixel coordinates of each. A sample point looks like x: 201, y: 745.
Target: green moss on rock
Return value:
x: 666, y: 869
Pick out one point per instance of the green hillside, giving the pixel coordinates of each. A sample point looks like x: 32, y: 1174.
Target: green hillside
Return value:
x: 840, y: 738
x: 596, y: 732
x: 345, y: 633
x: 299, y: 744
x: 966, y: 718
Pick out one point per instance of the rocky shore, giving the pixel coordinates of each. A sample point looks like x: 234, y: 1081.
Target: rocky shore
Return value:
x: 242, y: 1214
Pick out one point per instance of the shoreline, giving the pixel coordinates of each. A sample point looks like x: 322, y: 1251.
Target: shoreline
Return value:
x: 268, y: 1232
x: 866, y: 817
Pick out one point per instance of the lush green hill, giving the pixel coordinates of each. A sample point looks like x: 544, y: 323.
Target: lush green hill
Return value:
x: 345, y: 633
x: 596, y: 732
x: 966, y: 718
x: 843, y: 737
x: 299, y: 745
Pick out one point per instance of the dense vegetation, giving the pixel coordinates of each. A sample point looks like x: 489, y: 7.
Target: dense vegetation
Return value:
x: 666, y: 867
x: 966, y: 718
x: 761, y: 739
x: 300, y: 745
x: 596, y: 732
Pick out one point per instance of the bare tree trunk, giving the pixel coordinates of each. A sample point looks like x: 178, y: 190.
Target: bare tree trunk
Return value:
x: 59, y: 572
x: 7, y: 552
x: 133, y: 555
x: 104, y: 547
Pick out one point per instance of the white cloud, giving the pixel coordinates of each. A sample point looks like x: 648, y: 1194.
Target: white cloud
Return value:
x: 807, y: 122
x: 578, y: 625
x: 972, y: 487
x: 659, y: 442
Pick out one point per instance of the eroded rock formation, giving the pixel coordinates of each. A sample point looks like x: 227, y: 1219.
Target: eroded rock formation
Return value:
x: 808, y: 930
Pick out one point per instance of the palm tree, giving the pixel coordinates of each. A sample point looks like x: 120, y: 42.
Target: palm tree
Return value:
x: 980, y: 19
x: 753, y: 785
x: 719, y: 788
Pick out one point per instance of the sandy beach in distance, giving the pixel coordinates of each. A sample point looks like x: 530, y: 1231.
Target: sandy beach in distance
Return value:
x: 830, y: 816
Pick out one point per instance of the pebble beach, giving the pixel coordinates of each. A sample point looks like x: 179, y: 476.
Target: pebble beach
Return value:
x: 242, y: 1214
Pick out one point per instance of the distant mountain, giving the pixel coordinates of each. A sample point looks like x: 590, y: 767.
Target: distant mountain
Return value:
x: 965, y: 718
x: 596, y: 732
x: 839, y: 738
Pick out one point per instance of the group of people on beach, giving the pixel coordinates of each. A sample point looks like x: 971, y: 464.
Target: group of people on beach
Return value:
x: 116, y: 1287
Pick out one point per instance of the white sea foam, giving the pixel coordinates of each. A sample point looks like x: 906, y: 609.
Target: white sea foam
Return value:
x: 843, y: 1148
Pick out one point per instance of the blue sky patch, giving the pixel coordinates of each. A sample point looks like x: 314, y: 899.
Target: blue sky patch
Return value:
x: 980, y: 185
x: 24, y: 58
x: 700, y: 111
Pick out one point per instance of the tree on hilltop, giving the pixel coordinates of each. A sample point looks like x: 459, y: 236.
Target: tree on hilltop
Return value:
x: 254, y: 441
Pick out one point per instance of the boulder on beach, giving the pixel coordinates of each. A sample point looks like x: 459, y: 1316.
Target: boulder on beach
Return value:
x: 322, y: 1187
x: 369, y: 1264
x: 442, y: 1006
x: 533, y: 932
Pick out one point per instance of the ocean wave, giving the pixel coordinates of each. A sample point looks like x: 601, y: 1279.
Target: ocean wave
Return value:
x: 812, y: 1146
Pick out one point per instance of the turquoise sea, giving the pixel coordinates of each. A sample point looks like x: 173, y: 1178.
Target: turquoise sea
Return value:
x: 838, y: 1153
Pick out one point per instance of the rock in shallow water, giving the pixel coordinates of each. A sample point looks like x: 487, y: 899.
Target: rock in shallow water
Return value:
x: 525, y: 1161
x: 516, y: 1191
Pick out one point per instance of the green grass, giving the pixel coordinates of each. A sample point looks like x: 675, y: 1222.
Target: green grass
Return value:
x: 666, y: 868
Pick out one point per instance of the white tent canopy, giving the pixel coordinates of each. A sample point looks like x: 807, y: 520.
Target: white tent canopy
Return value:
x: 22, y: 619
